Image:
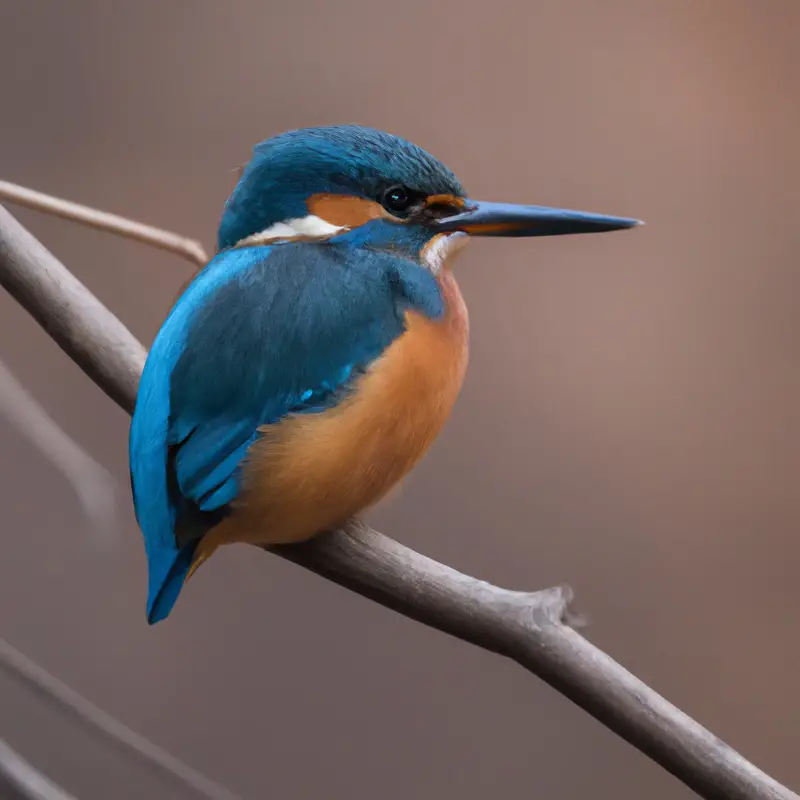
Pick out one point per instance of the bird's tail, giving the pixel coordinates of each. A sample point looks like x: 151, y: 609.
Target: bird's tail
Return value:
x: 167, y: 573
x: 171, y: 568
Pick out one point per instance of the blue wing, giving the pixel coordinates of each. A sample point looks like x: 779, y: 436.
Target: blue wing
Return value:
x: 259, y: 333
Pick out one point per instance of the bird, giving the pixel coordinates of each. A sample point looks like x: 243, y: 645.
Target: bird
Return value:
x: 310, y: 364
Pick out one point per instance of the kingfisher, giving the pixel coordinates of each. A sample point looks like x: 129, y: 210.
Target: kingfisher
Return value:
x: 308, y: 367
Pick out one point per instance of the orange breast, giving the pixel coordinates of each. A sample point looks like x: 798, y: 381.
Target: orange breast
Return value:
x: 312, y: 471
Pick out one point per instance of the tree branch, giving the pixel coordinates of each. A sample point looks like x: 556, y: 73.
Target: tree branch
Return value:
x: 532, y: 628
x: 77, y: 321
x: 19, y: 780
x: 92, y: 484
x: 101, y: 220
x: 147, y: 753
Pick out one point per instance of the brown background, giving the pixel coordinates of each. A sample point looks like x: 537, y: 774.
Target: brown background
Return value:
x: 629, y: 423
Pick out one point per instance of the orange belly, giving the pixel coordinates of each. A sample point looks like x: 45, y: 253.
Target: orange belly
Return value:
x: 310, y: 472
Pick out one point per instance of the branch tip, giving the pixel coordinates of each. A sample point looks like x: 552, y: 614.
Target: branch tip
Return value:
x: 548, y: 607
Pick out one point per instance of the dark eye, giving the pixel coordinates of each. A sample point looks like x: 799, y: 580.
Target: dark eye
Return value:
x: 397, y: 199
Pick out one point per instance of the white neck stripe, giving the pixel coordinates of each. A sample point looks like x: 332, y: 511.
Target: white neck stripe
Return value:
x: 310, y: 227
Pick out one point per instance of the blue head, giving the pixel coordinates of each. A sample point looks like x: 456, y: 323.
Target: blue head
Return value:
x: 376, y: 189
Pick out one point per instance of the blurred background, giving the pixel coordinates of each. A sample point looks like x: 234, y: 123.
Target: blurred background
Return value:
x: 629, y: 424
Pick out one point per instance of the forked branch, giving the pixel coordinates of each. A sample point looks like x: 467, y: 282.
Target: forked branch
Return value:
x: 532, y: 628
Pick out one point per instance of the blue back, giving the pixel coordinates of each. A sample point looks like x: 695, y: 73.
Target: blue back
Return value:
x: 259, y: 333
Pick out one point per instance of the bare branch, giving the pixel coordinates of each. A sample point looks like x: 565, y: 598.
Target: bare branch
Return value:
x: 19, y: 780
x: 189, y: 249
x: 531, y: 628
x: 148, y: 753
x: 92, y: 483
x: 78, y: 322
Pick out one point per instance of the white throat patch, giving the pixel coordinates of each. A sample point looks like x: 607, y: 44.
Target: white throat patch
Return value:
x: 440, y: 248
x: 310, y: 227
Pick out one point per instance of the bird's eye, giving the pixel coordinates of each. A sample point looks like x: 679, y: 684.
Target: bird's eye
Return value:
x: 397, y: 200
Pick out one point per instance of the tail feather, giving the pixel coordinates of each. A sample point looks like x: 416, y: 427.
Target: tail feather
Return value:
x: 168, y: 571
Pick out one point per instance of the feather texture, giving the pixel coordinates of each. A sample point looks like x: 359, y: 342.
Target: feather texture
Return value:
x: 288, y: 169
x: 260, y: 334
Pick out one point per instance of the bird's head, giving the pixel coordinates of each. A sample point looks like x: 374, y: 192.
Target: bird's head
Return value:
x: 377, y: 190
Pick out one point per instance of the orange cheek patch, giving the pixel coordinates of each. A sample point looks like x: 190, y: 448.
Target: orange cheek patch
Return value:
x: 345, y: 210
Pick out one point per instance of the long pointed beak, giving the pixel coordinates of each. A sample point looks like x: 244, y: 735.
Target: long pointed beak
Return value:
x: 503, y: 219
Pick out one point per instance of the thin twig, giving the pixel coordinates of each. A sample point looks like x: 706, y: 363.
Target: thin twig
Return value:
x: 148, y: 753
x: 189, y: 249
x: 529, y: 627
x: 91, y: 482
x: 20, y: 780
